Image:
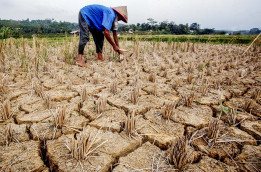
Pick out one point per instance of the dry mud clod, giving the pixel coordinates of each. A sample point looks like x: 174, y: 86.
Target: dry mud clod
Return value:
x: 145, y: 158
x: 23, y: 156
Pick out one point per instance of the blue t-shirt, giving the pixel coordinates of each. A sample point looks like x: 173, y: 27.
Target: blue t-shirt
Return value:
x: 99, y: 16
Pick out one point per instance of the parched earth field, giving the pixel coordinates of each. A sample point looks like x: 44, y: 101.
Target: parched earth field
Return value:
x: 159, y: 107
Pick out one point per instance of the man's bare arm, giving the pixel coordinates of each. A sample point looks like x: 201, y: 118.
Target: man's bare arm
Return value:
x: 115, y: 37
x: 114, y: 45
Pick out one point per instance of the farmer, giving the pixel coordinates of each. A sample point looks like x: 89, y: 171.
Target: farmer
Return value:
x: 99, y: 20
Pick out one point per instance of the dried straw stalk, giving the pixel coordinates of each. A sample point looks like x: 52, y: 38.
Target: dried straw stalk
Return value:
x: 130, y: 124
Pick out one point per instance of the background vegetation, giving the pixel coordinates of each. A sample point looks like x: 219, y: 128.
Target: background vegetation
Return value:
x: 149, y: 31
x: 12, y: 28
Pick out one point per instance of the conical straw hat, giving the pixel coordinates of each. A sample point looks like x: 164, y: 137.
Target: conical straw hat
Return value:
x: 122, y: 10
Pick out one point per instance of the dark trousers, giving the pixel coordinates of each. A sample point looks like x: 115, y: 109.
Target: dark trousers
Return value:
x: 85, y: 30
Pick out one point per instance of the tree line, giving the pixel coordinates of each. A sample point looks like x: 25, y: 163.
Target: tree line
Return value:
x: 13, y: 28
x: 166, y: 27
x: 17, y: 28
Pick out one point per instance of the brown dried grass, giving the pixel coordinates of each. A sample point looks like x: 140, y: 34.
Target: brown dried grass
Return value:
x: 8, y: 134
x: 256, y: 94
x: 213, y: 130
x: 152, y: 77
x: 155, y: 89
x: 176, y: 84
x: 2, y: 86
x: 190, y: 78
x: 178, y: 71
x: 96, y: 78
x: 189, y: 99
x: 60, y: 79
x: 113, y: 87
x: 37, y: 87
x: 191, y: 68
x: 232, y: 116
x: 247, y: 105
x: 204, y: 88
x: 130, y: 124
x: 101, y: 104
x: 168, y: 110
x: 84, y: 146
x: 178, y: 153
x: 6, y: 110
x: 47, y: 101
x: 60, y: 117
x: 84, y: 94
x: 134, y: 95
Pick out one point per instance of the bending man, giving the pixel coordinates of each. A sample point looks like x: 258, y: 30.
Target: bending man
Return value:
x: 99, y: 20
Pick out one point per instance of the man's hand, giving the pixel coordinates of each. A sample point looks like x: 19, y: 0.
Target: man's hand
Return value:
x: 114, y: 45
x: 117, y: 49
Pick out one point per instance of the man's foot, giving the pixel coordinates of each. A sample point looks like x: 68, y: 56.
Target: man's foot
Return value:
x: 100, y: 58
x: 81, y: 63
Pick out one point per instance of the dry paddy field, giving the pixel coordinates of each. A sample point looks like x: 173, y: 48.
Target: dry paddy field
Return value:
x: 164, y: 107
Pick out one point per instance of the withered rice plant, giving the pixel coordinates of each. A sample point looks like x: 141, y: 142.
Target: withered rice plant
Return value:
x: 53, y: 73
x: 227, y: 67
x: 176, y: 84
x: 47, y: 101
x: 152, y: 77
x: 190, y: 78
x: 232, y: 116
x: 171, y: 65
x: 204, y: 89
x: 2, y: 86
x: 60, y: 117
x: 165, y: 74
x: 189, y: 99
x: 60, y: 79
x: 220, y: 69
x: 69, y: 85
x: 2, y: 57
x: 229, y: 81
x: 101, y: 104
x: 241, y: 73
x: 134, y: 95
x: 178, y: 153
x: 247, y: 105
x: 6, y: 110
x: 217, y: 84
x: 8, y: 134
x: 84, y: 146
x: 213, y: 130
x: 256, y: 94
x: 84, y: 94
x: 46, y: 67
x: 168, y: 110
x: 190, y: 68
x: 209, y: 71
x: 163, y: 67
x: 94, y: 67
x: 113, y: 87
x: 155, y: 90
x: 135, y: 81
x: 235, y: 76
x: 37, y: 88
x: 178, y: 71
x: 96, y: 78
x: 130, y: 124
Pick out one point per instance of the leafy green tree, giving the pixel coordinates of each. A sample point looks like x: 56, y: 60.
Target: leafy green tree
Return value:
x: 152, y: 21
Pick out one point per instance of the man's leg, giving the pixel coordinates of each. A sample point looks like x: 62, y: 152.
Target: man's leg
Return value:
x: 84, y: 38
x: 98, y: 37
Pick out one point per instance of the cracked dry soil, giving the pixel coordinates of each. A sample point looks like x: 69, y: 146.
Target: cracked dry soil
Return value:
x: 226, y: 86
